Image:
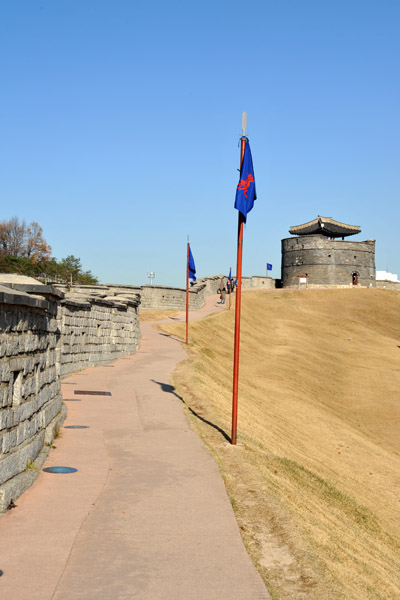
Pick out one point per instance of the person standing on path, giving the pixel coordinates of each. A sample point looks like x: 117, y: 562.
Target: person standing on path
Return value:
x: 223, y: 295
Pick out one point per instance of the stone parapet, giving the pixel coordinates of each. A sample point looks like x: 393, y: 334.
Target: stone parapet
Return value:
x: 30, y: 390
x: 388, y: 285
x: 97, y: 330
x: 258, y: 282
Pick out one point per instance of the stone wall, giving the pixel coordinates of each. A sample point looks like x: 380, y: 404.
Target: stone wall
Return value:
x: 389, y: 285
x: 44, y: 335
x: 151, y: 296
x: 158, y: 297
x: 95, y: 331
x: 30, y: 393
x: 327, y: 262
x: 259, y: 282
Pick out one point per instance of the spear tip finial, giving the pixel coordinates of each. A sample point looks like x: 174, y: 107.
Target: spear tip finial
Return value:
x: 244, y: 122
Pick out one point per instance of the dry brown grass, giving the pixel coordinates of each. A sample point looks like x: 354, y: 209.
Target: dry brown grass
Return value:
x: 315, y: 486
x: 156, y: 315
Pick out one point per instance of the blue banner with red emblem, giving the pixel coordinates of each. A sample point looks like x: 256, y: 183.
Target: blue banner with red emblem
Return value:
x: 246, y: 189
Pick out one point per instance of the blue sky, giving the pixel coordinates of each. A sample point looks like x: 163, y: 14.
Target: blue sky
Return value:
x: 120, y: 124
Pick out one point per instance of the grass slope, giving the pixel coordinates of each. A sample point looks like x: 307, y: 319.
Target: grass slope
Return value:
x: 315, y: 485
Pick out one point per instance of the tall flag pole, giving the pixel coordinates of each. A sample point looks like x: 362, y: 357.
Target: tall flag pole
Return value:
x: 244, y: 202
x: 190, y: 273
x: 187, y: 291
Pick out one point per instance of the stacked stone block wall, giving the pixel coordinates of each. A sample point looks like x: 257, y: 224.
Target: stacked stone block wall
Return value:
x: 30, y: 394
x: 159, y: 297
x: 258, y: 282
x: 97, y: 331
x: 388, y: 285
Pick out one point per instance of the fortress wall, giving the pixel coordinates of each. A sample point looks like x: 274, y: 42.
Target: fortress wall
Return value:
x: 96, y: 331
x: 212, y: 283
x: 163, y: 297
x: 327, y: 262
x: 44, y: 335
x: 258, y: 282
x: 30, y: 391
x: 389, y: 285
x: 158, y: 297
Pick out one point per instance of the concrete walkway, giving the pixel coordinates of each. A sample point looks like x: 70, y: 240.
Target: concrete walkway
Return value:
x: 146, y: 516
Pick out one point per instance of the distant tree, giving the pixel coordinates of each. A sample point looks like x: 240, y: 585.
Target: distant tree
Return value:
x: 70, y: 268
x: 87, y: 278
x: 17, y: 264
x: 24, y: 250
x: 36, y: 246
x: 13, y: 237
x: 22, y: 240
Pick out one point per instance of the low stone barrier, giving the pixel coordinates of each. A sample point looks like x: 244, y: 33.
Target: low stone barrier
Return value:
x: 96, y: 330
x: 258, y: 282
x: 388, y: 285
x: 30, y: 394
x: 45, y: 335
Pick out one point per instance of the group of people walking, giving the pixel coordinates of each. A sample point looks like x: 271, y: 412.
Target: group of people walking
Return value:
x: 225, y: 288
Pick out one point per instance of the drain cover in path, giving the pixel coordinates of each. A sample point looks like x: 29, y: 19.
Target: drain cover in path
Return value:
x: 60, y: 470
x: 91, y: 393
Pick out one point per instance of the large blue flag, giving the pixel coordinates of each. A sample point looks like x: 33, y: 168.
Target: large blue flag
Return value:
x: 246, y: 189
x: 230, y: 274
x: 192, y: 266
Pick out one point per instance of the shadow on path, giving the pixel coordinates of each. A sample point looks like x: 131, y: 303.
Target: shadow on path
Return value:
x: 169, y: 389
x: 169, y: 335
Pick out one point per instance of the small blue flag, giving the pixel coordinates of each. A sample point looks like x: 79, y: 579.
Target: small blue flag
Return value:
x: 269, y: 267
x: 230, y: 274
x: 192, y: 266
x: 246, y: 189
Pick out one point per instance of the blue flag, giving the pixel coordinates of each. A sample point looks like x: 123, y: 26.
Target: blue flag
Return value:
x: 269, y: 267
x: 192, y: 266
x: 246, y: 189
x: 230, y: 274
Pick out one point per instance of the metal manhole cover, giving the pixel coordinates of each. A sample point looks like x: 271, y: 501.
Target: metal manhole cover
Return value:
x: 91, y: 393
x: 60, y: 470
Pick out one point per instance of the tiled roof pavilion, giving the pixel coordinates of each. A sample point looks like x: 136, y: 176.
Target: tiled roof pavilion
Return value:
x: 325, y: 226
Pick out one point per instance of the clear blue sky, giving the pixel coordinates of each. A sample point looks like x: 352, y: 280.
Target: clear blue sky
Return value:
x: 120, y: 123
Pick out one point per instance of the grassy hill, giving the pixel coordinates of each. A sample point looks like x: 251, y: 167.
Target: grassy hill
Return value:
x: 315, y: 484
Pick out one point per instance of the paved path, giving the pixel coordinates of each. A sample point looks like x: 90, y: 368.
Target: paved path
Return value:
x: 145, y: 517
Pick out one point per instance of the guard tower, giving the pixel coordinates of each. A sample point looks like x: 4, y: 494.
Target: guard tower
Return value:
x: 321, y: 255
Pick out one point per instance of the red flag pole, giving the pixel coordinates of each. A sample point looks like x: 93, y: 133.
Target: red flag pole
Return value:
x: 187, y: 292
x: 237, y: 313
